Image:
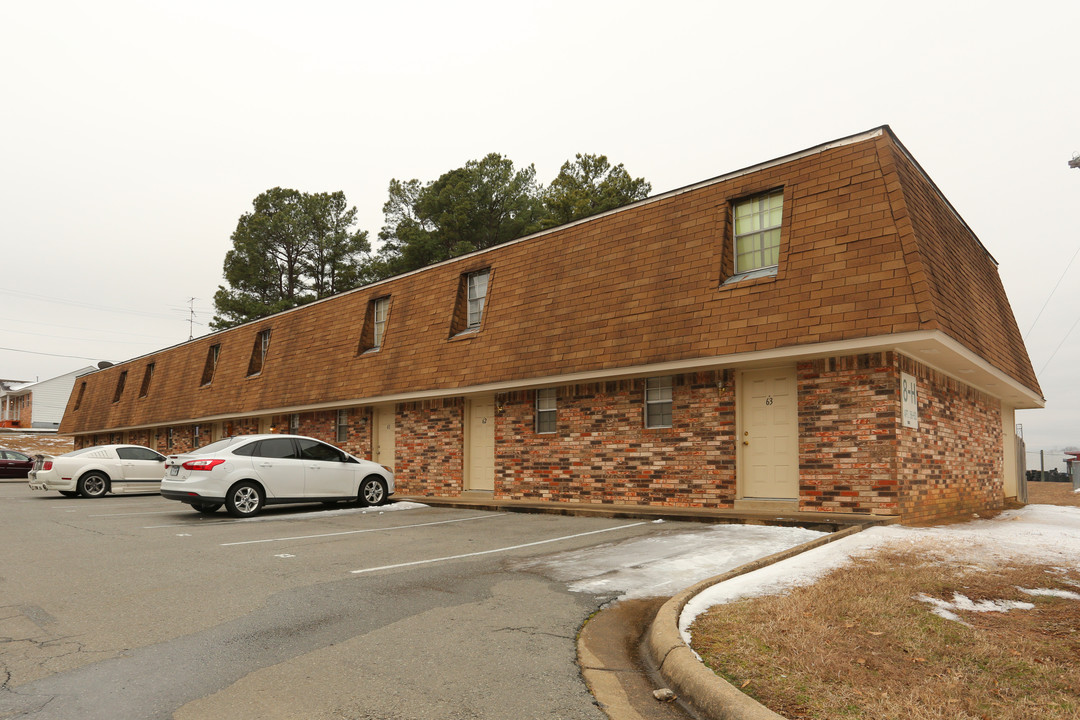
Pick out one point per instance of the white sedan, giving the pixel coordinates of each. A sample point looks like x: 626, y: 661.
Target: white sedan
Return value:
x: 95, y: 471
x: 247, y: 472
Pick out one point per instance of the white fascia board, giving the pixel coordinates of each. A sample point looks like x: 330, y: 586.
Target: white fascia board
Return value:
x: 932, y: 348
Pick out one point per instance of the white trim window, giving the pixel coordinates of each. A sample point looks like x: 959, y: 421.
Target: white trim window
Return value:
x: 342, y: 425
x: 658, y: 402
x: 547, y: 410
x: 477, y: 288
x: 380, y: 311
x: 294, y: 424
x: 757, y: 232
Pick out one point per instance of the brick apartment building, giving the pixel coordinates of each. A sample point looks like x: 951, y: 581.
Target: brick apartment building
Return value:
x: 821, y: 331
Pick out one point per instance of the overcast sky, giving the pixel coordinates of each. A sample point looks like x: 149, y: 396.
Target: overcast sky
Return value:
x: 134, y: 134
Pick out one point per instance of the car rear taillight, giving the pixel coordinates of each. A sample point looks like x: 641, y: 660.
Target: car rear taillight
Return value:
x: 201, y: 464
x: 47, y: 465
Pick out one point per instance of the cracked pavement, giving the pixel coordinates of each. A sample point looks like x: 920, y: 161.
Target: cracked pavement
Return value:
x: 133, y: 607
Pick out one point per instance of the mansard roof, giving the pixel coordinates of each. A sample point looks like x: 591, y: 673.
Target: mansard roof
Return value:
x: 872, y: 256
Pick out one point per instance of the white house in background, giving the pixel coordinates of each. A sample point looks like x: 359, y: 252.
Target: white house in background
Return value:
x: 38, y: 405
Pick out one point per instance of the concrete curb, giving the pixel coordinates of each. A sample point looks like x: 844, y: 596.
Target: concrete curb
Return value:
x: 706, y: 692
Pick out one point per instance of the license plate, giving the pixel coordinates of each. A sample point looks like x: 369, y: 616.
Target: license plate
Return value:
x: 174, y: 470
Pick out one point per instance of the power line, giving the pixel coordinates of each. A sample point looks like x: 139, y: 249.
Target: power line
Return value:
x: 71, y: 339
x: 1051, y: 294
x: 32, y: 352
x: 39, y: 323
x: 1063, y: 339
x: 86, y: 305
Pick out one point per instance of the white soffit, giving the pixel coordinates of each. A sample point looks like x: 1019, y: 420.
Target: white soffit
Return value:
x: 929, y: 347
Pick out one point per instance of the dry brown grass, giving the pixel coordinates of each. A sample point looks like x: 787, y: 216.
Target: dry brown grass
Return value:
x: 859, y: 644
x: 1048, y: 493
x: 32, y: 443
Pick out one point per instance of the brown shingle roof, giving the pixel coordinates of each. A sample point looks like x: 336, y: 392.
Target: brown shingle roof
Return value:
x: 869, y: 248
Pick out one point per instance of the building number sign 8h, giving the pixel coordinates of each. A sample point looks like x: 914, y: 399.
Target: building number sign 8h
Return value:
x: 909, y: 401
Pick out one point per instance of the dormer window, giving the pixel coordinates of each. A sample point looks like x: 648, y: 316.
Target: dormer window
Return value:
x: 148, y: 375
x: 471, y: 300
x: 374, y: 330
x: 258, y: 352
x: 120, y: 382
x: 380, y: 311
x: 757, y: 223
x: 210, y: 366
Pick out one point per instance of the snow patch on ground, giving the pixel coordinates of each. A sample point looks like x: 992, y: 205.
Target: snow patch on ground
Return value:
x: 1047, y: 592
x: 668, y: 562
x: 945, y: 608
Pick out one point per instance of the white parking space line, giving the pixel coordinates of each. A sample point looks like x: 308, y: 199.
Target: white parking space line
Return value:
x: 496, y: 550
x: 366, y: 530
x: 201, y: 521
x: 157, y: 512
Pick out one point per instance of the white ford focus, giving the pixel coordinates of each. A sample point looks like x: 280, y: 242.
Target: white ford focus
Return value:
x: 95, y: 471
x: 247, y: 472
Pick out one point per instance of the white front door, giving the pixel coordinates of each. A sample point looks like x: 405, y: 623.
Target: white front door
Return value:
x: 768, y: 434
x: 383, y: 435
x: 480, y: 443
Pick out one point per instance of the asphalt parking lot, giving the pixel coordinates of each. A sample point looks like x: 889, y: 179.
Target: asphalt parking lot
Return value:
x: 138, y: 607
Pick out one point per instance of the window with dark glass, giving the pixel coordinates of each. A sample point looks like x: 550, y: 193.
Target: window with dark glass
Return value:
x: 210, y: 367
x: 279, y: 448
x: 120, y: 382
x: 315, y: 450
x: 148, y: 375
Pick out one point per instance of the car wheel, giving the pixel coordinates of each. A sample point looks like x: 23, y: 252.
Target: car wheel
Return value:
x: 372, y: 491
x: 93, y: 485
x: 69, y: 493
x: 206, y: 508
x: 244, y: 500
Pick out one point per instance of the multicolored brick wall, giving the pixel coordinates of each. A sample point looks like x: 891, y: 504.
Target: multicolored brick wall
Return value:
x: 601, y: 451
x: 849, y: 410
x: 855, y: 455
x: 429, y: 448
x: 951, y: 467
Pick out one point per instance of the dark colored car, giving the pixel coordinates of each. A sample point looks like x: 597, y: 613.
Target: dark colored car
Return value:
x: 14, y: 464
